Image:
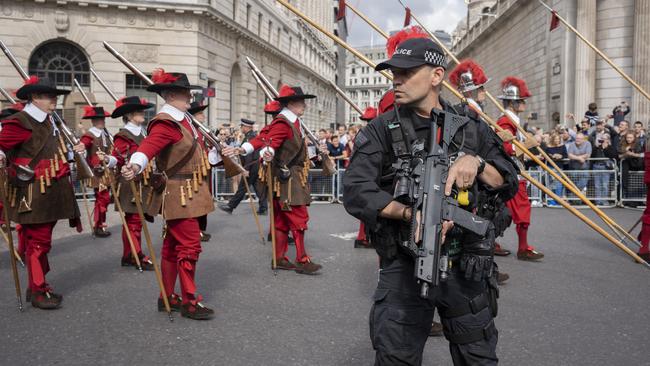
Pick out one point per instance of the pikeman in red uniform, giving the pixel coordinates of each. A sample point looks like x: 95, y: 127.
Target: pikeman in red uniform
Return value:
x: 11, y: 110
x: 126, y: 143
x: 196, y: 109
x: 362, y: 239
x: 98, y: 145
x: 282, y: 143
x: 514, y: 97
x: 184, y: 195
x: 41, y: 192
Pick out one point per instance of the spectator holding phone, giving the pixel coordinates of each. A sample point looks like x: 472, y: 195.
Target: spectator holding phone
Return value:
x: 602, y: 149
x: 619, y: 112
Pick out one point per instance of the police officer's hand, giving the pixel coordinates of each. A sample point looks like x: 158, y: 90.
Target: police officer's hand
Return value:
x: 462, y: 173
x: 129, y: 171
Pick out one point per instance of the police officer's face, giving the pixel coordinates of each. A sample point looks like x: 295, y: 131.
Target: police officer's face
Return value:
x: 415, y: 84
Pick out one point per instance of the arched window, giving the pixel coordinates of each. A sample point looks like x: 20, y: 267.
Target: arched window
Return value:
x: 235, y: 93
x: 61, y: 62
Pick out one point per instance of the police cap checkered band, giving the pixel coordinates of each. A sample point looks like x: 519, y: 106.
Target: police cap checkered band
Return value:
x: 415, y: 52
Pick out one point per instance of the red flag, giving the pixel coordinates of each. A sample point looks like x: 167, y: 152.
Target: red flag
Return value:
x: 555, y: 21
x: 407, y: 17
x: 341, y: 14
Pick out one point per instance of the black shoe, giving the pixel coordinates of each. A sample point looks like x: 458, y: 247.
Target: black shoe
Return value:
x: 205, y: 236
x: 362, y: 244
x: 46, y: 300
x: 174, y: 303
x: 291, y: 241
x: 269, y: 237
x: 225, y: 208
x: 101, y: 233
x: 262, y: 212
x: 196, y: 312
x: 502, y: 278
x: 436, y: 330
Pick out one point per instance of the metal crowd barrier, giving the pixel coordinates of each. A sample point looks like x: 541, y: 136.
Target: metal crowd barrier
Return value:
x: 606, y: 188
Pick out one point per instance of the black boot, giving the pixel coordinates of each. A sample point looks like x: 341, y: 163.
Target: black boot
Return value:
x: 196, y: 312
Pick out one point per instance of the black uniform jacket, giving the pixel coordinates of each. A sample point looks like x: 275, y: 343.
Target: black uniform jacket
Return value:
x: 368, y: 181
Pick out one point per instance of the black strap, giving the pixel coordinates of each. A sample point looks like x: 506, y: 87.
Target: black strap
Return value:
x: 473, y: 336
x: 473, y: 306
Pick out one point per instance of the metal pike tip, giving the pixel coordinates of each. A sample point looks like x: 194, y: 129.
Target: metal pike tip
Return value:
x: 171, y: 317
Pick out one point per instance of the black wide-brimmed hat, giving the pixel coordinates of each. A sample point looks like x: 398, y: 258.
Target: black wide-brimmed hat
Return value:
x: 172, y: 80
x: 11, y: 110
x: 36, y: 85
x: 196, y: 107
x: 130, y: 104
x: 91, y: 112
x: 288, y: 93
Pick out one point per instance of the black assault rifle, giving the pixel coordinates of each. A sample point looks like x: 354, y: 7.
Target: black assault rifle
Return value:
x: 421, y: 177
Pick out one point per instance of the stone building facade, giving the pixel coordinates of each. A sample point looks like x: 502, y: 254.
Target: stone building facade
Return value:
x: 207, y: 39
x: 363, y: 85
x: 564, y: 75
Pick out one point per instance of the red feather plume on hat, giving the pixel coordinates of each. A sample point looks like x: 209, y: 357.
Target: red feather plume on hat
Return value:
x: 387, y: 102
x: 401, y: 36
x: 272, y: 106
x: 519, y: 83
x: 89, y: 110
x: 286, y: 91
x: 31, y: 80
x: 159, y: 76
x: 120, y: 102
x: 143, y: 101
x: 478, y: 75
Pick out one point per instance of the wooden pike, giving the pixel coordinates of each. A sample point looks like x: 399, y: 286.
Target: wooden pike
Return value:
x: 485, y: 117
x: 566, y: 181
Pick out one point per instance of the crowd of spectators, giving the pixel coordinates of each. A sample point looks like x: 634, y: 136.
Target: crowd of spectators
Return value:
x: 598, y: 144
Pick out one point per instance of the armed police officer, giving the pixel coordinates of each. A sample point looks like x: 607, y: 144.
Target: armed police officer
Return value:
x: 401, y: 316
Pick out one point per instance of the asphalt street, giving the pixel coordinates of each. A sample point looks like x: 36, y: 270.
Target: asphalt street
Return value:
x: 585, y: 304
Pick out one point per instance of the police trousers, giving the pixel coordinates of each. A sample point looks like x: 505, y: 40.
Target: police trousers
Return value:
x: 400, y: 320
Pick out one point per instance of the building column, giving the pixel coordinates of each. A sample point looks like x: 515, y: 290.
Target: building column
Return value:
x: 585, y: 68
x: 641, y: 71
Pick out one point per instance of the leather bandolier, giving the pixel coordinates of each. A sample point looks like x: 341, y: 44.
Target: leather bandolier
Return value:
x: 48, y: 196
x: 186, y: 193
x: 101, y: 180
x: 290, y: 170
x: 124, y: 192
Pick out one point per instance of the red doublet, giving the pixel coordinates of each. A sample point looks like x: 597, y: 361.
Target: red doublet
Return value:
x: 92, y: 159
x: 182, y: 243
x: 519, y: 205
x: 34, y: 240
x: 285, y: 221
